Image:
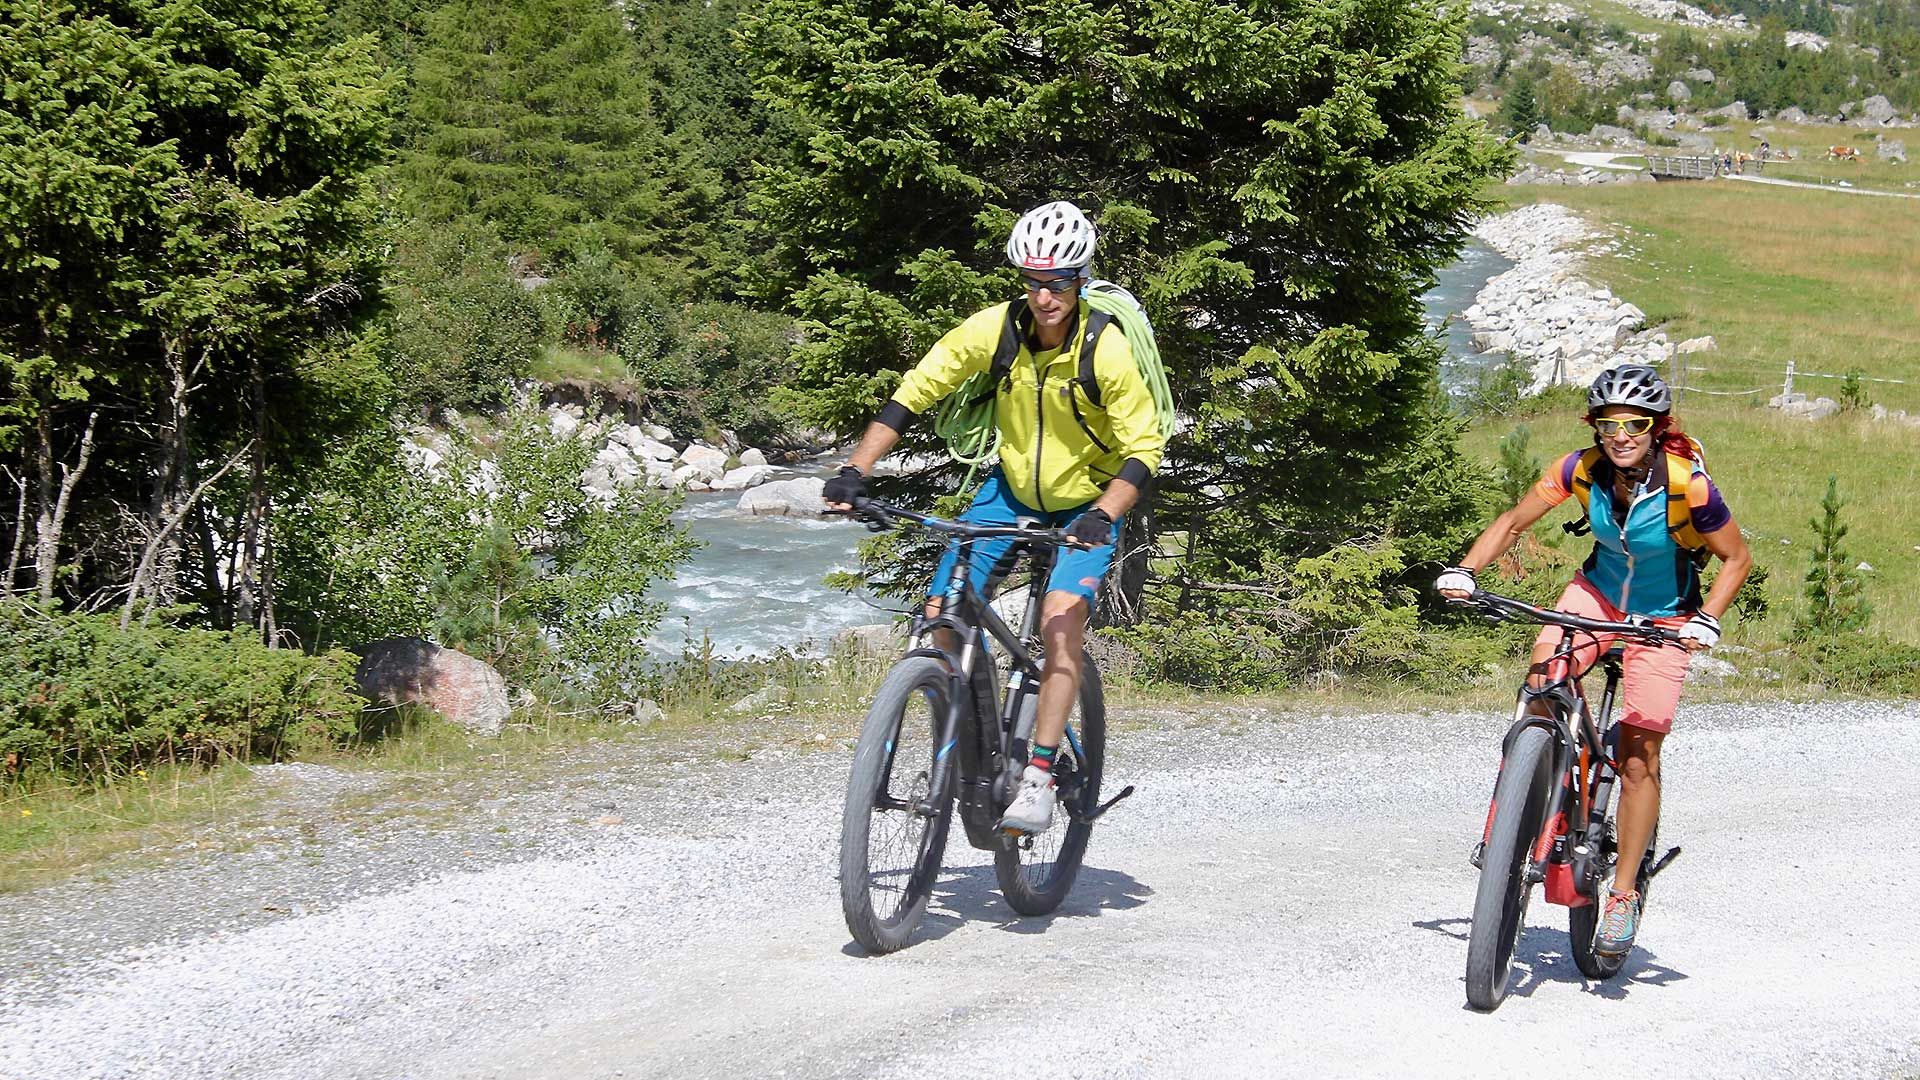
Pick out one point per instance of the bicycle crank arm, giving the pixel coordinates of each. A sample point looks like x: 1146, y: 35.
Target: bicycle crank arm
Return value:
x: 1672, y: 854
x: 1089, y: 819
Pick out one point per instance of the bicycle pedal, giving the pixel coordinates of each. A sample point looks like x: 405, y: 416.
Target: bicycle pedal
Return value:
x: 1474, y: 856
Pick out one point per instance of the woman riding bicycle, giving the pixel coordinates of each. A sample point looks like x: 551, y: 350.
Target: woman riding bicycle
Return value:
x: 1655, y: 517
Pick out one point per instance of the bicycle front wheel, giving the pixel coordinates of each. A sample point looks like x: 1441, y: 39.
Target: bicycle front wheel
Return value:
x: 1036, y: 872
x: 1500, y: 906
x: 890, y: 845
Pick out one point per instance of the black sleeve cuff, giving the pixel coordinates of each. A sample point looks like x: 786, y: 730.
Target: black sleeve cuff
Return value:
x: 894, y: 415
x: 1135, y: 472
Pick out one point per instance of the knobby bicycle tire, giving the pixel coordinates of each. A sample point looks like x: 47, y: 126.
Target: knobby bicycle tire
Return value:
x: 1520, y: 799
x: 894, y: 759
x: 1583, y: 922
x: 1034, y: 878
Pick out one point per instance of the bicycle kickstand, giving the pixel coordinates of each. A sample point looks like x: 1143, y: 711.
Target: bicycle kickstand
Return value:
x: 1106, y: 806
x: 1672, y: 854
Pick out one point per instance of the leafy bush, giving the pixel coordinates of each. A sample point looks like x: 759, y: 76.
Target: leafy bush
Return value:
x: 80, y: 696
x: 1866, y: 663
x: 462, y: 328
x: 1518, y: 468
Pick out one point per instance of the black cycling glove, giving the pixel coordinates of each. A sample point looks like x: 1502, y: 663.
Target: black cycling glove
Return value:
x: 845, y: 486
x: 1093, y: 528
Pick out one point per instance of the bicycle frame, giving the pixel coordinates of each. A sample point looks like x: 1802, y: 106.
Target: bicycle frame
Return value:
x: 983, y: 751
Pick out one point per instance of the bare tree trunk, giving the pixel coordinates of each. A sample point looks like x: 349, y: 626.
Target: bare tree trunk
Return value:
x: 19, y: 533
x: 213, y: 591
x: 269, y: 626
x: 53, y: 507
x: 246, y: 600
x: 162, y: 540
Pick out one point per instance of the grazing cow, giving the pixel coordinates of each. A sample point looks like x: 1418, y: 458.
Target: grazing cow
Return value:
x: 1843, y: 153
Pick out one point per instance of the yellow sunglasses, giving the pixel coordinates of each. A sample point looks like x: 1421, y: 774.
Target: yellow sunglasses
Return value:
x: 1632, y: 425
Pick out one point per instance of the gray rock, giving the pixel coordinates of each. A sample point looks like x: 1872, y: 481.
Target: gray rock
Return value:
x: 799, y: 497
x: 1694, y: 141
x: 694, y: 478
x: 646, y: 713
x: 750, y: 456
x: 744, y: 477
x: 414, y: 671
x: 1735, y: 111
x: 1679, y: 91
x: 708, y: 459
x: 1694, y: 345
x: 871, y: 640
x: 759, y: 701
x: 1709, y: 670
x: 1700, y: 75
x: 1542, y: 133
x: 1625, y: 115
x: 1817, y: 409
x: 1876, y: 110
x: 1891, y: 150
x: 1793, y: 114
x: 1610, y: 133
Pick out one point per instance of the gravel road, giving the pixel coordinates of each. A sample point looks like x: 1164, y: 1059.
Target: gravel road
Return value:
x: 1286, y: 895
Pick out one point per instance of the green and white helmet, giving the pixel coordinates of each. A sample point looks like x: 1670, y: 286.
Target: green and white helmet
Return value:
x: 1055, y: 236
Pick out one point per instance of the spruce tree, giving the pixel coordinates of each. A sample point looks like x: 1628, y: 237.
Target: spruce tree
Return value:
x: 1834, y: 602
x: 1520, y: 110
x: 1277, y: 183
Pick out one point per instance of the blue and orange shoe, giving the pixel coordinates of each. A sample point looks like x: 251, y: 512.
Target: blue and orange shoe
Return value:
x: 1618, y: 924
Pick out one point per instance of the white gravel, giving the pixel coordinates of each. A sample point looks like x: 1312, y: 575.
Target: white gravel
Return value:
x: 1285, y: 895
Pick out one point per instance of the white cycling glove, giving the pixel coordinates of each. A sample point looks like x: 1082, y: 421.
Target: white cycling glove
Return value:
x: 1702, y: 628
x: 1456, y: 578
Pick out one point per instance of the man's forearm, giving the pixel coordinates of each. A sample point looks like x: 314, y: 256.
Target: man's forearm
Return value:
x: 1118, y: 498
x: 874, y: 444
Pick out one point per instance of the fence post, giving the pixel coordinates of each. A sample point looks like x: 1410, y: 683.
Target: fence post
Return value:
x: 1786, y: 392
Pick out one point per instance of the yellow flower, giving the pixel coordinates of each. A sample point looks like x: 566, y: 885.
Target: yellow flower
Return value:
x: 26, y: 813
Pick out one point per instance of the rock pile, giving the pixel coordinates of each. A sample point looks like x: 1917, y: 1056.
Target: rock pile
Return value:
x: 1566, y: 328
x: 1586, y: 177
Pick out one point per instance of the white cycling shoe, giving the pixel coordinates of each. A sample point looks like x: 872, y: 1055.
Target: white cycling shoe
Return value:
x: 1032, y: 809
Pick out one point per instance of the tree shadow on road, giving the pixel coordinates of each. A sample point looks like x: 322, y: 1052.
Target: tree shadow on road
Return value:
x: 1542, y: 956
x: 971, y: 894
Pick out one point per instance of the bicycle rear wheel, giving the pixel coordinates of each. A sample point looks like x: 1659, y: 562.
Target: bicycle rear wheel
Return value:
x: 1037, y: 871
x: 890, y: 851
x: 1500, y: 906
x: 1583, y: 923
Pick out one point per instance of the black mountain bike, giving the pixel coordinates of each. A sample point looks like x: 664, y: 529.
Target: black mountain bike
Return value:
x: 940, y: 733
x: 1552, y: 816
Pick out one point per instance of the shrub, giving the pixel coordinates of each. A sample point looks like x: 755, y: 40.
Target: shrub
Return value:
x: 1518, y: 468
x: 1866, y: 663
x: 80, y: 696
x: 1835, y: 605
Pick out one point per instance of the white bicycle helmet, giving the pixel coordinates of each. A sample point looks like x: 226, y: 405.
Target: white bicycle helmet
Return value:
x: 1636, y: 385
x: 1056, y: 236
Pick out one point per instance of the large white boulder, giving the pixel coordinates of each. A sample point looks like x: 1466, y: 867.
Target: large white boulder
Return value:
x: 750, y: 456
x: 799, y: 497
x: 744, y: 477
x: 706, y: 457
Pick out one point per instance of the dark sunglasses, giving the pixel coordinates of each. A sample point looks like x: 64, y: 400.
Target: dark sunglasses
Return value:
x: 1632, y: 425
x: 1056, y: 286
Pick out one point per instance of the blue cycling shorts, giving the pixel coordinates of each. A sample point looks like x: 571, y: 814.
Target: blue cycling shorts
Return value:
x: 1077, y: 570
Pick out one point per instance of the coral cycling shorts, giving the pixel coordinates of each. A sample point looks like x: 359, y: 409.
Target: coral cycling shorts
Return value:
x: 1077, y: 570
x: 1650, y: 675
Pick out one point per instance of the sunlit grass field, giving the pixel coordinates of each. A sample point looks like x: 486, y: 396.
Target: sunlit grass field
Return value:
x: 1830, y: 281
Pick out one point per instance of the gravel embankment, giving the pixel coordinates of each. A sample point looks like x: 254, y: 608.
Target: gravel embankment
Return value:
x: 1285, y: 894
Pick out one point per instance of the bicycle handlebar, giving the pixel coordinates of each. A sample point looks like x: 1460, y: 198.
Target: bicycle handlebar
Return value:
x: 881, y: 516
x: 1505, y: 608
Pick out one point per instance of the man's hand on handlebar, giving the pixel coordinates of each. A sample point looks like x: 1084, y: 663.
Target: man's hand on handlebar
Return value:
x: 843, y: 488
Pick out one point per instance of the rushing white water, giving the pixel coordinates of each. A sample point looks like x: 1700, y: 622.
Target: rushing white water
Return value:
x: 756, y: 585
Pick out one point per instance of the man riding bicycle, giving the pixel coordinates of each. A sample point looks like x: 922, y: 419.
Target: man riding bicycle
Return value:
x: 1655, y: 517
x: 1066, y: 457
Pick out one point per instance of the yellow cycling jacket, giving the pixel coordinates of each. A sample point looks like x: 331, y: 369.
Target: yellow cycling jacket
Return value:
x: 1045, y: 454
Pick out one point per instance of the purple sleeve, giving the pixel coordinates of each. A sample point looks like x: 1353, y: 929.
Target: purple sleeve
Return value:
x: 1567, y: 465
x: 1710, y: 513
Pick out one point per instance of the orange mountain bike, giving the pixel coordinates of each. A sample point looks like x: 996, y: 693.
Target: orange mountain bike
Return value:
x: 1552, y: 816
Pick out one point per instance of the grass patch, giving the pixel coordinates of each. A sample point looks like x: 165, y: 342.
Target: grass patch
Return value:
x: 1832, y: 282
x: 51, y: 829
x: 557, y: 363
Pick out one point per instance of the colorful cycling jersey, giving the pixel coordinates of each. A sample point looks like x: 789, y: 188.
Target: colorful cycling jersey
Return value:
x: 1636, y: 563
x: 1049, y: 460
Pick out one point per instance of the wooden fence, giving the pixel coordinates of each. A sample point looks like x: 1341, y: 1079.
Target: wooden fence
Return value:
x: 1702, y: 167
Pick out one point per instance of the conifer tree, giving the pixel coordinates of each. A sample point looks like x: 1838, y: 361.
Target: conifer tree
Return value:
x: 1834, y: 602
x: 1520, y: 110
